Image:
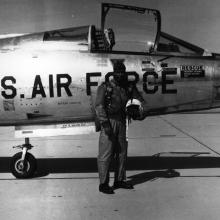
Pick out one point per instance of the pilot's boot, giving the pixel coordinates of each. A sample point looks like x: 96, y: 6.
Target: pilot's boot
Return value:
x: 105, y: 188
x: 123, y: 185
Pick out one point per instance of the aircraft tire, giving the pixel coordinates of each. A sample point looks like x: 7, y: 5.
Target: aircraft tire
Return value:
x: 30, y: 166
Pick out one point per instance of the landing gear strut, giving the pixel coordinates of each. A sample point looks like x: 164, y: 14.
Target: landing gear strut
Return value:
x: 23, y: 164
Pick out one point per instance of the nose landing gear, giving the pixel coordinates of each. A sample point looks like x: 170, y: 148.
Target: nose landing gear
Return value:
x: 23, y: 164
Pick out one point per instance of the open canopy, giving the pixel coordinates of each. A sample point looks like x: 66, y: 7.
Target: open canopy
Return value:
x: 135, y: 29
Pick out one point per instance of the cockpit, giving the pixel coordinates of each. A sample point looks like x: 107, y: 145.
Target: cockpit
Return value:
x: 124, y: 29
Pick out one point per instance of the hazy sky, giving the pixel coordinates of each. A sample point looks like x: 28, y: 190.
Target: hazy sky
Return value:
x: 197, y: 21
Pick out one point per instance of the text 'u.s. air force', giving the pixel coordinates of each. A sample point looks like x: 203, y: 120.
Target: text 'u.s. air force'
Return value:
x: 60, y: 84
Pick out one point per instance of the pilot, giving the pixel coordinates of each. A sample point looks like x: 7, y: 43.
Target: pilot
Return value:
x: 110, y: 106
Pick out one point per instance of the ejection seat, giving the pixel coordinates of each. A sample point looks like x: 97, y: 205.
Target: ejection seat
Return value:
x: 102, y: 40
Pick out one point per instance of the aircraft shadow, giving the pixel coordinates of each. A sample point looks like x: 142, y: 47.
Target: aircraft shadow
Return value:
x: 89, y: 165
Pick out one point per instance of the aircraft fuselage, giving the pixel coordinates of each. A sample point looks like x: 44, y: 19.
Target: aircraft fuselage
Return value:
x: 52, y: 86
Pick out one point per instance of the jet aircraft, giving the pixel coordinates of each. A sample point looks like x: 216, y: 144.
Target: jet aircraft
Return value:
x: 49, y: 79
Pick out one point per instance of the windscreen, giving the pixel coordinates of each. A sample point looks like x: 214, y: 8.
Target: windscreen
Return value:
x: 133, y: 30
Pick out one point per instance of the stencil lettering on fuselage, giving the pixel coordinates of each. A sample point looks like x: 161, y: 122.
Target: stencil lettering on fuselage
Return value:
x: 59, y: 85
x: 62, y: 82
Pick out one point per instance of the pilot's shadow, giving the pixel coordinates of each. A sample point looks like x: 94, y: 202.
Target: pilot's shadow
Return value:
x: 151, y: 176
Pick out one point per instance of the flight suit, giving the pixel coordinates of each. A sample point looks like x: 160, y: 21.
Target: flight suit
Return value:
x: 110, y: 108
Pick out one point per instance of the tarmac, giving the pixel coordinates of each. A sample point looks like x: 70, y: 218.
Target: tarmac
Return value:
x: 66, y: 182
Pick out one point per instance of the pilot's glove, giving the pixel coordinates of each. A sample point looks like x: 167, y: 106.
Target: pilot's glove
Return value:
x: 107, y: 128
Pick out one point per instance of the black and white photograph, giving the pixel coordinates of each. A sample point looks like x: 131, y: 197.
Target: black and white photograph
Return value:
x: 110, y: 109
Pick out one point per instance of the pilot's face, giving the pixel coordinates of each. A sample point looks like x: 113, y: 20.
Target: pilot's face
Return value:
x: 120, y: 77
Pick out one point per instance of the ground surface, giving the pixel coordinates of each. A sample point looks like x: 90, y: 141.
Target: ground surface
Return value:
x: 66, y: 183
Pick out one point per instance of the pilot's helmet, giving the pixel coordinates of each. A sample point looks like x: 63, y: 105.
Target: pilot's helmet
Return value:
x: 134, y: 109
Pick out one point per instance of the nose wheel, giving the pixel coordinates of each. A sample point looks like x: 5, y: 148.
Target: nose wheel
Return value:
x: 23, y: 164
x: 23, y: 168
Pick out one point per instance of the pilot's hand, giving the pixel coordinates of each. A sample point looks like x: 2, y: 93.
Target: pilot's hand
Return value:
x: 107, y: 128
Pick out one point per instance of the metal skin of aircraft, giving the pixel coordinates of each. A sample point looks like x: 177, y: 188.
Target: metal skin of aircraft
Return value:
x: 49, y: 79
